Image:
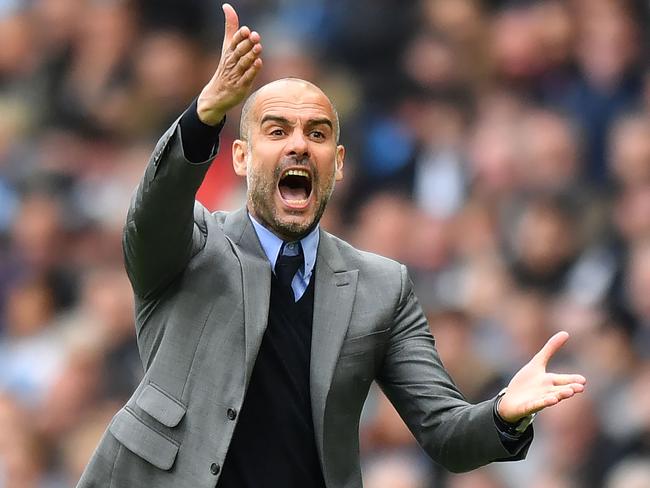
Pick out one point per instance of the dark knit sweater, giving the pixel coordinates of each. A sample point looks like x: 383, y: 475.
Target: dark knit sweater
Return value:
x: 273, y: 445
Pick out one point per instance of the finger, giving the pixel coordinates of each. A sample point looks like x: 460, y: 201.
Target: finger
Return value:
x: 567, y: 391
x: 247, y: 61
x: 248, y: 77
x: 232, y: 23
x: 541, y: 404
x: 255, y: 36
x: 551, y: 347
x: 244, y: 47
x: 565, y: 379
x: 553, y: 397
x: 548, y: 400
x: 577, y: 387
x: 242, y: 33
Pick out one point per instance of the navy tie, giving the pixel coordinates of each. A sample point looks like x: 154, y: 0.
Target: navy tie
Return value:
x: 288, y: 262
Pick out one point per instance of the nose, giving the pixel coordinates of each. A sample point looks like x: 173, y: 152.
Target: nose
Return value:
x: 297, y: 144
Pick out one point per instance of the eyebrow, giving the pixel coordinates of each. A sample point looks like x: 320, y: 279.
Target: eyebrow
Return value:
x: 284, y: 121
x: 274, y: 118
x: 323, y: 121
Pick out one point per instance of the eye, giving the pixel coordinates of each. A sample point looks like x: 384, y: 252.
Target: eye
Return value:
x: 277, y: 132
x: 316, y: 134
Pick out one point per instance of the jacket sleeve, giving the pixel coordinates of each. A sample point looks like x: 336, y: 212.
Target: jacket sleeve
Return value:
x: 455, y: 433
x: 165, y: 227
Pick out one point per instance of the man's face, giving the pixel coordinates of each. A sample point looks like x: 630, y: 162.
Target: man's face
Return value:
x: 291, y: 158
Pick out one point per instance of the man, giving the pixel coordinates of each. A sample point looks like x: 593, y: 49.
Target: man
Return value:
x: 260, y: 333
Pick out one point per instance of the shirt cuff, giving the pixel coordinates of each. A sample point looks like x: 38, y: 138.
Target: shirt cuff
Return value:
x: 200, y: 140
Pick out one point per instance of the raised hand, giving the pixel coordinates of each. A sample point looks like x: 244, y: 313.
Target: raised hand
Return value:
x: 533, y: 389
x: 239, y: 64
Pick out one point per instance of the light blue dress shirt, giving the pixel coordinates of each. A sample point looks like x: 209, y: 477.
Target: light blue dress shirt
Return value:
x: 272, y: 245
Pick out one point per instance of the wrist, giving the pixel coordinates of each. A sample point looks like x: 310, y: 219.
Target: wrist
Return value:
x: 511, y: 426
x: 210, y: 117
x: 498, y: 409
x: 209, y: 112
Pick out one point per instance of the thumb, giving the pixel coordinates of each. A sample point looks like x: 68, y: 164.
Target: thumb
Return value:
x: 552, y: 346
x: 232, y: 24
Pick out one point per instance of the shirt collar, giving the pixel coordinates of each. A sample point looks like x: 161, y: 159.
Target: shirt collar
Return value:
x: 272, y: 245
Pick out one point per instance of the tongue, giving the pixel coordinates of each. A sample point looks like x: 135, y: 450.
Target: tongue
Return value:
x: 293, y: 193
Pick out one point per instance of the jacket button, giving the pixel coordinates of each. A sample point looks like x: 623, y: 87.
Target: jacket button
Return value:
x: 215, y: 468
x: 231, y: 414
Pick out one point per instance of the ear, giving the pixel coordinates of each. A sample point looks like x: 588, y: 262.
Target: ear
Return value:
x: 239, y: 152
x: 340, y: 156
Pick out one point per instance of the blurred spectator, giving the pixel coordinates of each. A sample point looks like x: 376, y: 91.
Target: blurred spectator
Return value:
x: 494, y: 155
x: 638, y: 441
x: 473, y: 374
x: 526, y: 322
x: 500, y: 149
x: 545, y: 245
x: 634, y: 473
x: 394, y: 472
x: 611, y: 361
x: 22, y: 455
x: 575, y: 448
x: 607, y: 52
x: 439, y: 174
x: 28, y: 335
x: 551, y: 159
x: 516, y: 43
x: 630, y: 150
x: 167, y: 74
x: 79, y: 443
x: 639, y: 292
x: 478, y: 479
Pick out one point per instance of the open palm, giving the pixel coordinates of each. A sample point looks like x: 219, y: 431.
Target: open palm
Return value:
x: 533, y: 388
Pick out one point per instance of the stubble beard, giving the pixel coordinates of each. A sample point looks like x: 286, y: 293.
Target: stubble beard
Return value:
x: 261, y: 202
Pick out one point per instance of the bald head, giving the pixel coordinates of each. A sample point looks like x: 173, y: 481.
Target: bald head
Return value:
x: 283, y: 86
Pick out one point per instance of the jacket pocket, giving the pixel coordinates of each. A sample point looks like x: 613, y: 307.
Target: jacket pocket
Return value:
x: 160, y: 405
x: 142, y: 440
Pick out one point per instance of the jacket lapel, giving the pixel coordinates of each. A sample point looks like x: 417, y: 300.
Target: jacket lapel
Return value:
x: 256, y: 279
x: 334, y: 293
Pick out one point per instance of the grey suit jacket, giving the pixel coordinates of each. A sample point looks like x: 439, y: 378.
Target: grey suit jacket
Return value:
x: 202, y: 285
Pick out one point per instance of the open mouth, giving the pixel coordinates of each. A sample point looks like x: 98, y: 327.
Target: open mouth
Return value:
x: 295, y: 187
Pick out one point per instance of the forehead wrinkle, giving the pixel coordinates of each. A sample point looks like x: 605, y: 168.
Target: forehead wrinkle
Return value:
x: 281, y: 106
x: 292, y: 122
x: 293, y: 106
x: 314, y: 100
x: 277, y: 114
x: 309, y: 119
x: 280, y: 99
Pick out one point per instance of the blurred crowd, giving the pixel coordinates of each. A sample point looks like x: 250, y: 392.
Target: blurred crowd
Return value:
x: 500, y: 149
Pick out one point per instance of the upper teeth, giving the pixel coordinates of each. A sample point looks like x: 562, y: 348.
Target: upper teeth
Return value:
x: 297, y: 172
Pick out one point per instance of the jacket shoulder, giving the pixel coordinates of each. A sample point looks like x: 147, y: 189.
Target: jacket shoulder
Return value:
x: 367, y: 263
